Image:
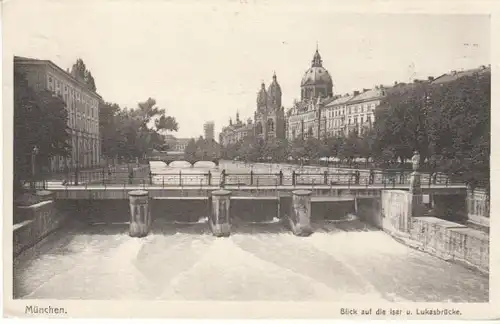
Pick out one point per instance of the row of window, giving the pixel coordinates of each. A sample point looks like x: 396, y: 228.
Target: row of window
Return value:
x: 78, y: 122
x: 72, y: 96
x: 341, y: 110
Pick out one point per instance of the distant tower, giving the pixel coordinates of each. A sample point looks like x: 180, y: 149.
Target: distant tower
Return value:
x: 208, y: 130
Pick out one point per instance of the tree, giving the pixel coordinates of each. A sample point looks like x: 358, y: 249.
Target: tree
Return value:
x: 80, y: 71
x: 459, y: 131
x: 190, y: 151
x: 40, y: 119
x: 448, y: 124
x: 131, y: 133
x: 109, y: 129
x: 298, y: 150
x: 400, y: 121
x: 276, y: 149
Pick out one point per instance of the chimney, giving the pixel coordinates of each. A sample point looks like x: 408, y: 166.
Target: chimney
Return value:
x: 356, y: 93
x: 453, y: 72
x: 364, y: 90
x: 395, y: 83
x: 430, y: 78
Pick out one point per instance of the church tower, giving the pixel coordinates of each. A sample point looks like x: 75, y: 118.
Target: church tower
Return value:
x: 269, y: 117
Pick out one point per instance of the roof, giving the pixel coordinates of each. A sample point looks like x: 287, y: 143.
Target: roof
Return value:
x: 455, y: 75
x: 371, y: 94
x: 28, y: 60
x: 316, y: 75
x: 339, y: 101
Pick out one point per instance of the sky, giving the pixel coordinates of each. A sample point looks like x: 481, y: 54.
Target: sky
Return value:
x: 207, y: 61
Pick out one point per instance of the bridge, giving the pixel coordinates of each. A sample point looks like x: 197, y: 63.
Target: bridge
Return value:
x: 171, y: 156
x: 190, y: 182
x: 347, y: 258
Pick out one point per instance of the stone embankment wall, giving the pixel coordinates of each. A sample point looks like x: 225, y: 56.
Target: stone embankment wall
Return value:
x: 39, y: 220
x: 442, y: 238
x: 451, y: 241
x: 478, y: 208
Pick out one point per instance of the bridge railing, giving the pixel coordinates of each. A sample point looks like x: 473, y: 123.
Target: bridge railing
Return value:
x: 188, y: 178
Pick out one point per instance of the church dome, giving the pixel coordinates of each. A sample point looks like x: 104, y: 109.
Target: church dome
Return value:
x: 316, y: 74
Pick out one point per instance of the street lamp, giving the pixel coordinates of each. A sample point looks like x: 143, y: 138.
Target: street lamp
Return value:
x: 34, y: 153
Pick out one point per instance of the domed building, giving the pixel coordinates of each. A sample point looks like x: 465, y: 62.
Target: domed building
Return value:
x: 316, y: 82
x: 305, y: 118
x: 270, y: 115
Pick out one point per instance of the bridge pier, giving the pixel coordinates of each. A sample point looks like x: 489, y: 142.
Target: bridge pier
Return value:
x: 220, y: 217
x: 140, y: 216
x: 300, y: 213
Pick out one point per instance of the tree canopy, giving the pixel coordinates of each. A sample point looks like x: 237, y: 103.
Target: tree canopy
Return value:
x: 448, y: 124
x: 80, y: 70
x: 131, y: 133
x: 40, y: 120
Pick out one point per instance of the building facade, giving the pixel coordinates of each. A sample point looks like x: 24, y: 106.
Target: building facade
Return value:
x: 82, y: 105
x: 307, y: 117
x: 235, y: 132
x: 180, y: 144
x: 360, y: 110
x: 270, y: 114
x: 335, y: 113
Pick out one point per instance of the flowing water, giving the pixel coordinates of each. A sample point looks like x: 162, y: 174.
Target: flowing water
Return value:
x: 341, y: 261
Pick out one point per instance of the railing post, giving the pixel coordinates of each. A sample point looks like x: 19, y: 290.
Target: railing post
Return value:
x: 325, y: 175
x: 103, y: 175
x: 150, y: 177
x: 209, y: 178
x: 293, y: 178
x: 251, y: 178
x: 180, y: 178
x: 130, y: 176
x: 281, y: 177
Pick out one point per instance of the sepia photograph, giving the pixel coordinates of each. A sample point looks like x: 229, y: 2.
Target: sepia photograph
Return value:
x: 245, y: 151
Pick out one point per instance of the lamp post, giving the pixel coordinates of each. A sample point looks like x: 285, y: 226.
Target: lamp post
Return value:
x: 34, y: 153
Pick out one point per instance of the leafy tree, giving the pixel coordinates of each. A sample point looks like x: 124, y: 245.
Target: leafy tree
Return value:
x: 109, y: 129
x: 449, y: 124
x: 190, y: 151
x: 80, y: 71
x: 277, y: 149
x: 131, y: 133
x: 40, y: 120
x: 298, y: 149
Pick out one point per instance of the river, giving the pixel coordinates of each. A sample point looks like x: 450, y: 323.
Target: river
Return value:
x: 342, y: 261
